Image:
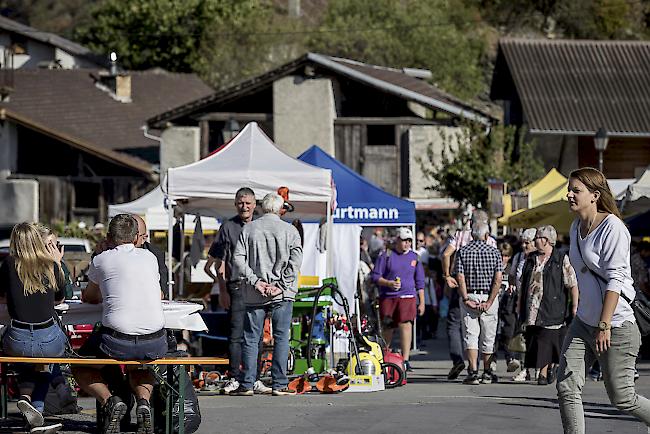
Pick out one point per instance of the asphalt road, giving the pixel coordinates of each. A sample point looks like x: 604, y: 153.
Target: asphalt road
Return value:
x: 428, y: 404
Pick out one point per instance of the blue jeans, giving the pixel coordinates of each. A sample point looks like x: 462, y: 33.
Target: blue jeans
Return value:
x: 47, y: 342
x: 281, y: 314
x: 455, y: 335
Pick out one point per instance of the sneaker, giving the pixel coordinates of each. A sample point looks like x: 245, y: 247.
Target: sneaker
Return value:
x: 241, y: 391
x: 513, y: 365
x: 47, y: 429
x: 283, y: 392
x: 230, y: 386
x: 472, y: 378
x: 143, y: 414
x: 455, y: 371
x: 114, y: 410
x: 407, y: 366
x: 636, y: 374
x: 595, y: 374
x: 33, y: 416
x: 259, y: 388
x: 489, y: 377
x: 521, y: 377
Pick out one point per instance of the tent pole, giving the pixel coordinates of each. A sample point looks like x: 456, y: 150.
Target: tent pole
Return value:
x: 328, y: 242
x: 170, y: 245
x: 181, y: 275
x: 415, y: 322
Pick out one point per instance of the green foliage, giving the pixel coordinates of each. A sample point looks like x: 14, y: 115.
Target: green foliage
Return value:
x: 159, y: 33
x: 579, y: 19
x: 57, y: 16
x: 443, y: 36
x: 248, y: 44
x: 224, y: 41
x: 463, y: 173
x: 601, y: 19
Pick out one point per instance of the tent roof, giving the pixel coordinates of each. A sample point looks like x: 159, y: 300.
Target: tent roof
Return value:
x: 550, y: 188
x: 139, y: 206
x: 359, y: 200
x: 152, y: 209
x: 251, y: 159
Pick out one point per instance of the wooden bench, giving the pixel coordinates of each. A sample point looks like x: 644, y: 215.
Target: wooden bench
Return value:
x: 172, y: 362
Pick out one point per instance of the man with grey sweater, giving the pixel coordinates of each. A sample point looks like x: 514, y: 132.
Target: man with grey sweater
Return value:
x: 267, y: 258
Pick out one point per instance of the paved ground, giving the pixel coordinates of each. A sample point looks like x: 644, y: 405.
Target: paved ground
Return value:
x: 429, y: 403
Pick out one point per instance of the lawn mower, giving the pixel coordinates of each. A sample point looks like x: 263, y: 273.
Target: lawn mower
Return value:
x: 363, y: 371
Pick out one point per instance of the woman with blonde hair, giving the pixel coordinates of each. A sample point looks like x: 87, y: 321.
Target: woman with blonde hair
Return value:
x: 31, y: 283
x: 604, y: 327
x: 52, y: 241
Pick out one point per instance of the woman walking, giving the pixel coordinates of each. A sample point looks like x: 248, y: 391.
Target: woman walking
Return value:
x: 549, y: 299
x: 604, y: 328
x: 32, y: 283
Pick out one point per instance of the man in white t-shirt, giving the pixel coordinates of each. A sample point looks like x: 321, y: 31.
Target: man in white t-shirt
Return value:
x: 125, y: 280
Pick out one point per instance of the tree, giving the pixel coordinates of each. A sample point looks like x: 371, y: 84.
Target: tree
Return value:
x: 161, y: 33
x: 57, y: 16
x: 463, y: 175
x: 224, y: 41
x: 445, y: 37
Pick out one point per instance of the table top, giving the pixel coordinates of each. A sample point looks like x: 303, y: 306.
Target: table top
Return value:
x: 179, y: 315
x: 93, y: 361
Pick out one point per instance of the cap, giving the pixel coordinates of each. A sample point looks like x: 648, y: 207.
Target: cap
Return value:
x: 405, y: 234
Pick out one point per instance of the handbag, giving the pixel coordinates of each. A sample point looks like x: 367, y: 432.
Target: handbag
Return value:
x: 640, y: 305
x: 517, y: 344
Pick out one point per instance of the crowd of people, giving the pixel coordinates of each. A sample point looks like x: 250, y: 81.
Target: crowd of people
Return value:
x: 258, y: 261
x: 555, y: 308
x: 552, y: 307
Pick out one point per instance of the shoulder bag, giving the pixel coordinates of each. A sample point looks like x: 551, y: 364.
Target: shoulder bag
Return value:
x: 640, y: 305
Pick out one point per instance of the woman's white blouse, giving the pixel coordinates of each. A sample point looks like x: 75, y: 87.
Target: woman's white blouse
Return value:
x: 607, y: 253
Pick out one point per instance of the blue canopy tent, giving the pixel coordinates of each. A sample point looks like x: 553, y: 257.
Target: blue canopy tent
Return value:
x: 358, y: 203
x: 358, y: 200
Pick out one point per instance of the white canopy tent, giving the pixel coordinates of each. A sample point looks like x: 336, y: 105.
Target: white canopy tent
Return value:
x: 637, y: 196
x: 151, y: 207
x: 207, y: 187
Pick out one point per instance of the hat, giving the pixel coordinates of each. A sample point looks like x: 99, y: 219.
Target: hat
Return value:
x: 405, y: 234
x: 528, y: 234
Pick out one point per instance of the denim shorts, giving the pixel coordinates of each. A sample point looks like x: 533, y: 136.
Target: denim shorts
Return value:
x: 47, y: 342
x: 103, y: 345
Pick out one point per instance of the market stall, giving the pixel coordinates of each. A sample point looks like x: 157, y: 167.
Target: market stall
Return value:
x: 207, y: 187
x: 359, y: 203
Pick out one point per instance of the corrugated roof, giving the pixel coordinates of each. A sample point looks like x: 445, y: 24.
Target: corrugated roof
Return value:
x: 389, y: 80
x: 576, y: 87
x: 68, y: 104
x: 51, y: 39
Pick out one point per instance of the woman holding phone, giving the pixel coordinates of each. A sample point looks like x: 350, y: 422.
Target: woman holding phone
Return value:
x: 31, y: 283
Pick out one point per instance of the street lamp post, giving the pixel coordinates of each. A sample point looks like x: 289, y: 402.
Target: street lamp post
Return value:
x: 600, y: 142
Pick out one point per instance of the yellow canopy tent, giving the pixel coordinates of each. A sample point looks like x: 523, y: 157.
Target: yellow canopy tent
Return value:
x: 549, y: 189
x: 554, y: 213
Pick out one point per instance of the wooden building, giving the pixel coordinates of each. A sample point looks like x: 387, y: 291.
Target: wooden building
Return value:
x: 562, y: 91
x: 378, y: 121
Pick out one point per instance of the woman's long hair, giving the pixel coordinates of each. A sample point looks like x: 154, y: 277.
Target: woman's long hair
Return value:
x: 594, y: 180
x: 34, y: 265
